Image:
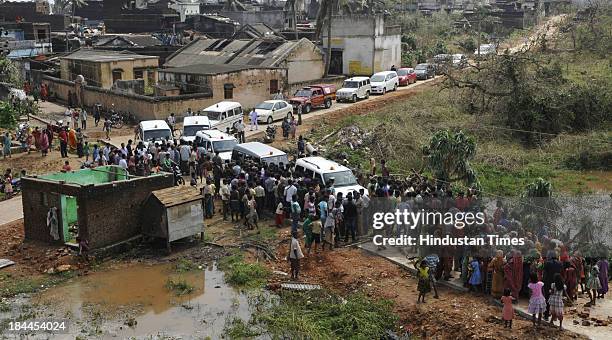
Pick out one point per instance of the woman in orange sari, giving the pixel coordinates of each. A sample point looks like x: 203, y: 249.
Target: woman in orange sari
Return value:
x: 497, y: 267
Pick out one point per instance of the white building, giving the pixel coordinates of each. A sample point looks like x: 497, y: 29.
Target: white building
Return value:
x: 185, y: 8
x: 363, y: 45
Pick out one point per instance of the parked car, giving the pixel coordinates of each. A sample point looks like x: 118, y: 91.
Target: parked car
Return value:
x: 459, y: 60
x: 485, y: 50
x: 154, y: 131
x: 272, y: 110
x: 406, y: 76
x: 383, y: 82
x: 193, y: 124
x: 353, y: 89
x: 313, y: 96
x: 216, y: 141
x: 259, y: 152
x: 326, y: 170
x: 223, y: 115
x: 425, y: 71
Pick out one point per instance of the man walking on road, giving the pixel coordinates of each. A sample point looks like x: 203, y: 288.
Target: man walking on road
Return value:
x: 253, y: 117
x: 63, y: 137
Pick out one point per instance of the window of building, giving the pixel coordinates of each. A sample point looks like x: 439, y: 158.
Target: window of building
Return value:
x: 117, y: 75
x: 137, y: 74
x: 228, y: 91
x: 151, y: 77
x: 273, y: 86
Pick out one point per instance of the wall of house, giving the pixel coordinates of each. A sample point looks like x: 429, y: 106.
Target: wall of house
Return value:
x: 251, y: 86
x: 274, y: 19
x: 388, y: 52
x: 100, y: 73
x: 304, y: 63
x: 107, y: 213
x: 143, y: 107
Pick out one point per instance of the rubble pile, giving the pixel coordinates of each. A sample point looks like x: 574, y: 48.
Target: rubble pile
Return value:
x: 355, y: 137
x: 584, y: 318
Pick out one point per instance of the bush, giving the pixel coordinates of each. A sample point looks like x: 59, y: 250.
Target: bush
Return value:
x: 8, y: 116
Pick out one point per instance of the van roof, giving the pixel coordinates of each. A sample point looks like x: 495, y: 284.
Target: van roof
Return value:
x: 223, y: 106
x: 196, y: 120
x: 154, y: 125
x: 384, y: 73
x: 214, y: 135
x: 258, y: 149
x: 320, y: 164
x: 357, y: 79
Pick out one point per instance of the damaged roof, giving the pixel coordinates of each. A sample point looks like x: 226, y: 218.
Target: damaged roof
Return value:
x: 211, y: 69
x: 252, y: 52
x: 104, y: 55
x: 140, y: 40
x: 258, y: 30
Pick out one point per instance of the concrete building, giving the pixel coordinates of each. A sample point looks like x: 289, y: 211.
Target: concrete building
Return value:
x: 273, y: 18
x: 26, y: 39
x: 31, y: 11
x: 121, y: 16
x: 302, y: 59
x: 363, y: 45
x: 185, y: 8
x: 102, y: 68
x: 248, y: 85
x: 100, y: 205
x: 212, y: 25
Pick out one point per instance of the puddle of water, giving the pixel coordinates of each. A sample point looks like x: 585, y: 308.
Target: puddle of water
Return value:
x: 139, y: 292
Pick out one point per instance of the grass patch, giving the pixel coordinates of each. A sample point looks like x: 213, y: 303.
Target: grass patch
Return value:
x: 4, y: 307
x: 179, y: 287
x: 236, y: 328
x: 185, y: 265
x: 263, y: 234
x: 319, y: 315
x: 241, y: 274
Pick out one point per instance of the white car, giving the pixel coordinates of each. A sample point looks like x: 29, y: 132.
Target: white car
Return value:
x: 272, y: 110
x: 193, y: 124
x: 224, y: 114
x: 154, y: 131
x: 383, y: 82
x: 216, y: 141
x: 353, y: 89
x: 327, y: 170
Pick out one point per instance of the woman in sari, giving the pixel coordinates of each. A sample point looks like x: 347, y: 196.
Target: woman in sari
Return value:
x: 497, y: 267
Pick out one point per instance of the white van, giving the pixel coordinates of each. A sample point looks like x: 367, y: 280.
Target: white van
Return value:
x: 223, y: 115
x: 325, y: 170
x: 154, y: 130
x: 260, y: 152
x: 193, y: 124
x: 383, y: 82
x: 353, y: 89
x: 216, y: 141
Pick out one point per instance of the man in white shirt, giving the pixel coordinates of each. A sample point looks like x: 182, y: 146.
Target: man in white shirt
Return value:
x: 295, y: 254
x: 290, y: 190
x: 172, y: 123
x: 239, y: 127
x: 123, y: 163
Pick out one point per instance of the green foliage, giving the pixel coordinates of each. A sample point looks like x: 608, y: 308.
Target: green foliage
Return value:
x: 9, y: 72
x: 318, y: 315
x: 468, y: 45
x: 8, y: 115
x: 179, y: 287
x: 185, y: 265
x: 448, y: 157
x: 236, y: 328
x: 241, y: 274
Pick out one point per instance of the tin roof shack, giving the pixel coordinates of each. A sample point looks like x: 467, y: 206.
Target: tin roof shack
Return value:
x: 173, y: 213
x: 100, y: 205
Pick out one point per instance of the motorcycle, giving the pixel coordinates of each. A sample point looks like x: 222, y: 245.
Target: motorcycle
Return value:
x: 175, y: 169
x: 270, y: 134
x: 116, y: 121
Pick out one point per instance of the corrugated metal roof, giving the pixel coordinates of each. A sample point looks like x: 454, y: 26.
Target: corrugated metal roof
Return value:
x: 262, y: 52
x: 177, y: 195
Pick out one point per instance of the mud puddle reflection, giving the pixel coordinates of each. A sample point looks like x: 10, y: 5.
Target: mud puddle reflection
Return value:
x: 134, y: 301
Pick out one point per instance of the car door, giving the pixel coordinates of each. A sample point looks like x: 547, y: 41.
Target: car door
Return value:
x: 284, y: 110
x: 276, y: 111
x: 317, y: 99
x: 388, y: 83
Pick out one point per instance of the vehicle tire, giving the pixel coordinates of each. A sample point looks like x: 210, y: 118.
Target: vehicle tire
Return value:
x: 269, y: 120
x: 384, y: 91
x: 180, y: 181
x: 367, y: 95
x: 307, y: 108
x: 395, y: 87
x: 118, y: 124
x: 354, y: 98
x: 328, y: 103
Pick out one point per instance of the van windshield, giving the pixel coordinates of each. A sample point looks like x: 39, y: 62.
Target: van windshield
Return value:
x: 224, y: 145
x: 351, y: 84
x: 214, y: 115
x: 378, y: 78
x: 341, y: 178
x: 158, y: 134
x: 190, y: 130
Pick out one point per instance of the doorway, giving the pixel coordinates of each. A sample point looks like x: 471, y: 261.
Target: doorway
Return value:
x: 69, y: 218
x: 335, y: 64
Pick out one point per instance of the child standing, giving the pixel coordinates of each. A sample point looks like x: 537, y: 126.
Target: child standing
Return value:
x: 557, y: 291
x: 593, y: 284
x: 424, y: 285
x: 475, y: 278
x: 537, y: 302
x: 508, y: 312
x: 86, y: 151
x: 280, y: 214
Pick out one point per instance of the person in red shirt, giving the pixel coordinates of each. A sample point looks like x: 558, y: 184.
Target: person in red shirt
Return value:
x: 461, y: 202
x: 66, y: 167
x: 63, y: 137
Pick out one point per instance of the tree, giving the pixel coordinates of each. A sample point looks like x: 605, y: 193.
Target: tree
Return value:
x: 8, y: 115
x: 9, y: 72
x: 448, y: 157
x: 537, y: 199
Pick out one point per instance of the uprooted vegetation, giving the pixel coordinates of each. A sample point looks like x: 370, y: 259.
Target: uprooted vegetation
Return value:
x: 242, y: 274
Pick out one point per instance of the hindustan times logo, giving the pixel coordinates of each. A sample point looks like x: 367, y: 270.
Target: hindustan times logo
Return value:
x: 412, y: 219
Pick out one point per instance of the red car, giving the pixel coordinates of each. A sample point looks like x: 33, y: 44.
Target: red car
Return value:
x: 406, y: 76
